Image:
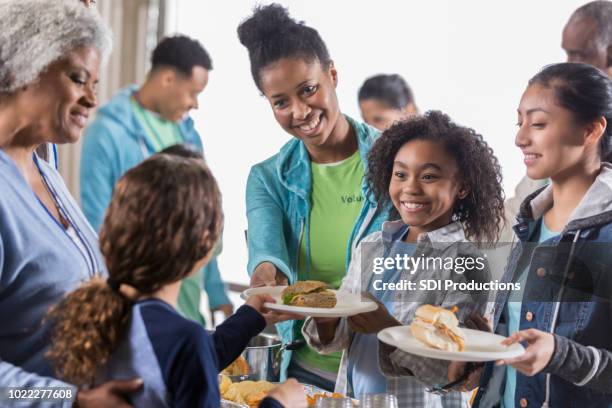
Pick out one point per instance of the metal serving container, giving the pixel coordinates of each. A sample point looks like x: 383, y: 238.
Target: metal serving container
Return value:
x: 230, y: 404
x: 263, y: 357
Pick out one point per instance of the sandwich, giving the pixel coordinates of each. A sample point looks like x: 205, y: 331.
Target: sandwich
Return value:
x: 309, y: 294
x: 438, y: 328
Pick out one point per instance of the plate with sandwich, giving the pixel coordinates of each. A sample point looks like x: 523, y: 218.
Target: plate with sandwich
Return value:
x: 435, y: 333
x: 313, y: 298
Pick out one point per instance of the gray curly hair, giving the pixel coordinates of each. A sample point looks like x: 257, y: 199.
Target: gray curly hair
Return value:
x: 36, y: 33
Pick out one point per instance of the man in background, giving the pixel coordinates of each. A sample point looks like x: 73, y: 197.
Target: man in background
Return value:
x: 587, y: 36
x: 140, y: 121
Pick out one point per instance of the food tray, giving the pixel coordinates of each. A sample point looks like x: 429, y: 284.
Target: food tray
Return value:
x: 231, y: 404
x: 310, y: 390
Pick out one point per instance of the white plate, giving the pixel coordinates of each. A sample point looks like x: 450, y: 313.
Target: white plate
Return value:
x: 479, y: 345
x: 347, y: 304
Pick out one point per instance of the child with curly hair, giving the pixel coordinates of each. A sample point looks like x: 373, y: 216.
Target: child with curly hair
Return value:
x: 443, y: 183
x: 162, y: 225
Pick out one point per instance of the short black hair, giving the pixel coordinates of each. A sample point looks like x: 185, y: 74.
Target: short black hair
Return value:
x: 482, y: 210
x: 601, y: 12
x: 182, y: 150
x: 181, y: 53
x: 583, y: 90
x: 392, y: 90
x: 270, y: 34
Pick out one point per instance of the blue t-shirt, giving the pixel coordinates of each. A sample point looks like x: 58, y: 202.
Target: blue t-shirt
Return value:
x: 540, y: 234
x: 177, y: 359
x: 363, y: 371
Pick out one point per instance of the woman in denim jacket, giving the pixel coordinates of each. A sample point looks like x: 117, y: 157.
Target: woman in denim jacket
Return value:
x: 564, y: 313
x: 308, y: 206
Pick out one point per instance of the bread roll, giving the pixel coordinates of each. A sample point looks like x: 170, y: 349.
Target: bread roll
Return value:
x: 438, y: 328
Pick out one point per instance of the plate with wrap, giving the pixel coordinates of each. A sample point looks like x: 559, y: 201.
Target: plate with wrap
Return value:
x: 313, y: 298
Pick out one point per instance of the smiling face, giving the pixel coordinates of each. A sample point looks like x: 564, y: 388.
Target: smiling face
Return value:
x: 549, y: 136
x: 424, y: 185
x: 180, y: 92
x: 303, y: 98
x: 62, y: 99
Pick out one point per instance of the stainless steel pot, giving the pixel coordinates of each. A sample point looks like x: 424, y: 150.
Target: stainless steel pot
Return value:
x: 263, y: 354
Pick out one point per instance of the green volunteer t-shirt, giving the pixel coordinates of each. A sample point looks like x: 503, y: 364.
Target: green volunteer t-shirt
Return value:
x: 161, y: 132
x: 188, y: 303
x: 336, y: 201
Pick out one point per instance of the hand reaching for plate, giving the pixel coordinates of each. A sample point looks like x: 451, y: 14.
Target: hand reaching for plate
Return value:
x: 456, y: 369
x: 374, y: 321
x: 257, y: 303
x: 541, y: 346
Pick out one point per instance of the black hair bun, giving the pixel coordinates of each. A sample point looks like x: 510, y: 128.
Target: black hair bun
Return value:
x: 267, y: 21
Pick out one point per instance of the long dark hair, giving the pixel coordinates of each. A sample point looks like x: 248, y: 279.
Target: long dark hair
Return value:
x: 585, y: 91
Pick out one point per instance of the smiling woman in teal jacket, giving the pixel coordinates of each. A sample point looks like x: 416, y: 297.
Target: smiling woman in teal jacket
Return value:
x: 308, y: 205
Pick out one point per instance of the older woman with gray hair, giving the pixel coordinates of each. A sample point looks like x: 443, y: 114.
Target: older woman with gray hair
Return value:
x: 50, y: 55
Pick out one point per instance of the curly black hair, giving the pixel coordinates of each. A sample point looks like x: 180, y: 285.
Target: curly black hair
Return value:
x: 181, y: 53
x: 270, y: 34
x: 482, y: 210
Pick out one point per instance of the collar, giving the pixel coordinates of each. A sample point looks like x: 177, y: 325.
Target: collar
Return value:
x: 439, y: 239
x: 595, y: 208
x: 293, y: 162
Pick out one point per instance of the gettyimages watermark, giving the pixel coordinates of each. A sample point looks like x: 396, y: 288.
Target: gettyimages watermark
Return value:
x: 423, y: 272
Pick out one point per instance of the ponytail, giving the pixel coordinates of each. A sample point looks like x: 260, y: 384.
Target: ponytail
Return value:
x: 87, y: 326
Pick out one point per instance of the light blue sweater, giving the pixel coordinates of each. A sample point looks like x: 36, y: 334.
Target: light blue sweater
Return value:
x: 39, y: 263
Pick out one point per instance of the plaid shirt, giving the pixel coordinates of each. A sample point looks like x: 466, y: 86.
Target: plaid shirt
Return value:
x: 408, y: 375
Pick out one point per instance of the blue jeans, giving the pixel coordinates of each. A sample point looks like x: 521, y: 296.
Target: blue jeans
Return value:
x: 307, y: 377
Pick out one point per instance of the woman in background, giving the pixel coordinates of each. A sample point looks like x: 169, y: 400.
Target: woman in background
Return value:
x: 384, y: 99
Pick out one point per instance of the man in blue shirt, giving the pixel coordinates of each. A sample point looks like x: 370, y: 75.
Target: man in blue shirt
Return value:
x: 140, y: 121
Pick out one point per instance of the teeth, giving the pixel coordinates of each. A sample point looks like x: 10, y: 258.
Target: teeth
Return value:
x: 81, y: 119
x: 531, y: 156
x: 310, y: 125
x: 412, y: 206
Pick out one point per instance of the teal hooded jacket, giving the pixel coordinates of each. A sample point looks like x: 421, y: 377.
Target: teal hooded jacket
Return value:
x: 278, y: 212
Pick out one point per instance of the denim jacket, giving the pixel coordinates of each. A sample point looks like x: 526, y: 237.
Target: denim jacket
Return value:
x: 567, y: 293
x: 278, y: 212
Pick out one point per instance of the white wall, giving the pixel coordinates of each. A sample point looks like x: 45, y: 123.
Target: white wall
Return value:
x: 470, y: 59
